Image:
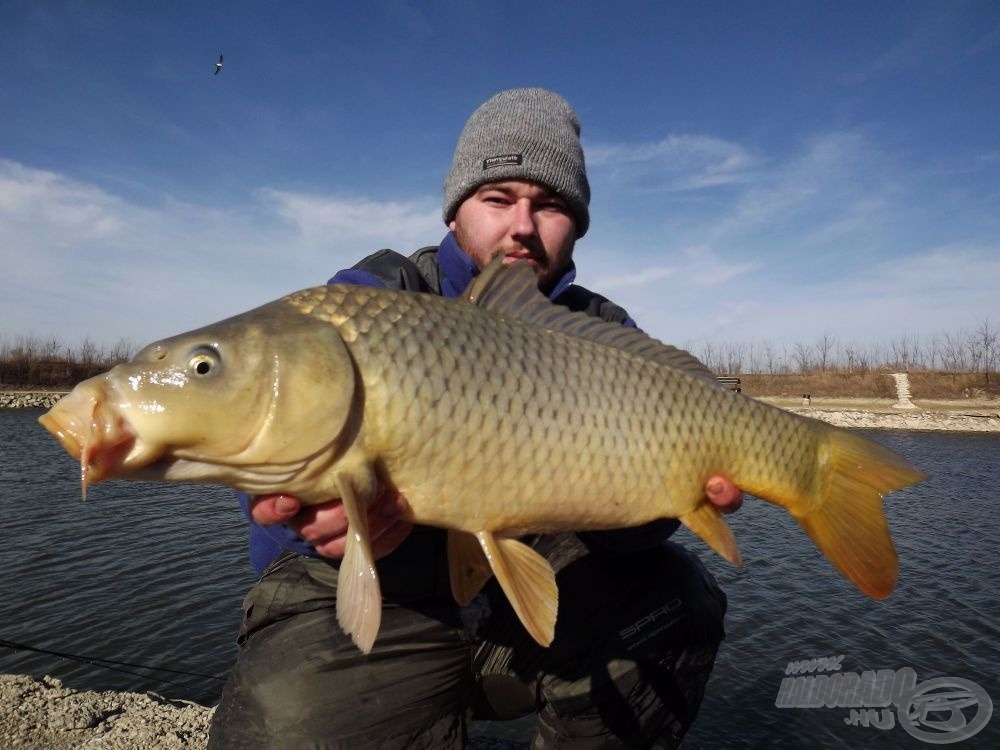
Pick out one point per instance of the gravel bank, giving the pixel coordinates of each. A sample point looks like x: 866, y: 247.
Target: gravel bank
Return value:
x: 44, y: 715
x: 977, y: 416
x: 29, y: 399
x: 954, y: 421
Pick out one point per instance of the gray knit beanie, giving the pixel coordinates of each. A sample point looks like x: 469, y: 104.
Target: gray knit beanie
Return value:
x: 521, y: 134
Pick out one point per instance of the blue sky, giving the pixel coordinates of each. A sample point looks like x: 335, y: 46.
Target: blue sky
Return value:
x: 767, y: 171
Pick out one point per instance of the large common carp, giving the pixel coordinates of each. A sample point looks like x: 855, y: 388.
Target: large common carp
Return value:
x: 494, y: 416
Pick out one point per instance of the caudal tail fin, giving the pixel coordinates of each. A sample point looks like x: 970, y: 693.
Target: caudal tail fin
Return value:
x: 848, y: 523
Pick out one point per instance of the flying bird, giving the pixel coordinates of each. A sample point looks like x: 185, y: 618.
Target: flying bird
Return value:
x: 218, y: 65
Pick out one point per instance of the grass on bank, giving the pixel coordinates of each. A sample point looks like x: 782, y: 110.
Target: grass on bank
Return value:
x: 934, y: 385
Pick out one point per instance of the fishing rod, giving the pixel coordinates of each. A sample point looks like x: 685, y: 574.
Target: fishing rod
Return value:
x: 113, y: 664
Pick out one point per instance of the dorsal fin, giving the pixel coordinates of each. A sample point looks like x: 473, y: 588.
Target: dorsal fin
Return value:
x: 512, y: 289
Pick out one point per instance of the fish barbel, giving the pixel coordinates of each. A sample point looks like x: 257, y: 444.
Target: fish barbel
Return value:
x: 495, y: 416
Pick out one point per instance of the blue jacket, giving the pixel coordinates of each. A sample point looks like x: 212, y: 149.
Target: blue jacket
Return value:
x: 457, y: 270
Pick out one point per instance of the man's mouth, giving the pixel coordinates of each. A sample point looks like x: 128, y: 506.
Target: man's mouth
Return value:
x: 521, y: 255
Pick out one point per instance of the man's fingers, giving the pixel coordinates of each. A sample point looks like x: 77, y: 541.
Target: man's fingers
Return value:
x: 318, y: 524
x: 268, y: 510
x: 325, y: 525
x: 385, y: 535
x: 384, y: 524
x: 390, y: 504
x: 332, y: 546
x: 723, y: 494
x: 391, y: 538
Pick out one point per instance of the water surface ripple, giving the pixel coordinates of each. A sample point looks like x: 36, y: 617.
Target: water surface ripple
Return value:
x: 155, y: 574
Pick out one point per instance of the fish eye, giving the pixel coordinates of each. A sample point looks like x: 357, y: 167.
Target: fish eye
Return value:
x: 204, y: 361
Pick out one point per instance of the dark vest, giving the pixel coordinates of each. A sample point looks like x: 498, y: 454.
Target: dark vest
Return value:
x: 421, y: 273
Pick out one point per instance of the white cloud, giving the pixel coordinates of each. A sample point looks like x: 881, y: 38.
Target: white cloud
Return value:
x: 827, y: 176
x: 58, y: 208
x: 834, y: 236
x: 322, y: 219
x: 678, y: 162
x: 940, y: 275
x: 946, y: 289
x: 642, y: 277
x: 79, y: 261
x: 932, y: 35
x: 706, y: 269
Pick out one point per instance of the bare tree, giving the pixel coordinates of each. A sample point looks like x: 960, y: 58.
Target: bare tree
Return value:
x: 121, y: 352
x: 852, y: 358
x: 953, y: 355
x: 824, y: 349
x: 732, y: 357
x: 986, y: 341
x: 770, y: 358
x: 865, y: 360
x: 87, y: 353
x: 753, y: 357
x: 802, y: 355
x: 50, y: 349
x: 933, y: 352
x: 905, y: 351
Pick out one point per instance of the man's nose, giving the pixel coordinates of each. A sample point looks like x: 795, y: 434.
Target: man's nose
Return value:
x: 523, y: 221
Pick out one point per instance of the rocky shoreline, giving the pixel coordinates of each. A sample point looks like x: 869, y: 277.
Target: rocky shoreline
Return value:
x: 953, y: 416
x: 29, y: 399
x: 45, y: 715
x: 978, y: 420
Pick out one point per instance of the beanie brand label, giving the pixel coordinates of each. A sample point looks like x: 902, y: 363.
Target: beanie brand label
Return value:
x: 504, y: 160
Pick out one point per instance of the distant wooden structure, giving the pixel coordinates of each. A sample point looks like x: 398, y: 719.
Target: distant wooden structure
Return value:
x: 731, y: 382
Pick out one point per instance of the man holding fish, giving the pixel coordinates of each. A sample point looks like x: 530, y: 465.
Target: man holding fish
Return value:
x: 458, y: 431
x: 640, y: 619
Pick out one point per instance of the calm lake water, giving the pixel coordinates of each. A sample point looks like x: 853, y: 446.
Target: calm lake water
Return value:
x: 154, y: 575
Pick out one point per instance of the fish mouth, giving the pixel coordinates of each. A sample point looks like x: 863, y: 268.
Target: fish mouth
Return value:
x: 91, y: 430
x: 63, y: 432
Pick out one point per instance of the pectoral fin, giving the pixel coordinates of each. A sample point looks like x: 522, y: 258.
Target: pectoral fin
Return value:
x: 359, y: 598
x: 468, y: 567
x: 528, y: 581
x: 707, y: 522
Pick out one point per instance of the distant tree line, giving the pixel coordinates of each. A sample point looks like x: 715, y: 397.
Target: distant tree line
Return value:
x: 27, y: 362
x: 48, y: 363
x: 975, y: 351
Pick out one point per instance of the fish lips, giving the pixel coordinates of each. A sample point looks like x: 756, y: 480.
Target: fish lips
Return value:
x: 66, y: 432
x: 98, y: 437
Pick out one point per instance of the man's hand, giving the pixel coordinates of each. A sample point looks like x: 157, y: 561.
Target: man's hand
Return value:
x: 723, y: 494
x: 325, y: 525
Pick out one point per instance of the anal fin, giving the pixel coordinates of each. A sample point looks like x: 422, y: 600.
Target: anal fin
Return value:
x: 468, y: 568
x: 528, y: 581
x: 707, y: 522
